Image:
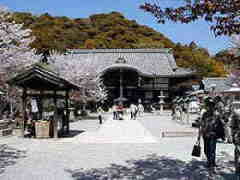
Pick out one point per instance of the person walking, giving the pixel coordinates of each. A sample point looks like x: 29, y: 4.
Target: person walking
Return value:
x: 114, y: 109
x: 227, y: 124
x: 120, y: 110
x: 135, y: 111
x: 220, y: 113
x: 140, y: 109
x: 173, y: 111
x: 34, y: 109
x: 100, y: 114
x: 235, y: 130
x: 133, y: 108
x: 208, y: 130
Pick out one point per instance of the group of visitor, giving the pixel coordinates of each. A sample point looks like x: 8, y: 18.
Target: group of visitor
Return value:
x: 117, y: 111
x: 181, y: 109
x: 135, y: 110
x: 31, y: 115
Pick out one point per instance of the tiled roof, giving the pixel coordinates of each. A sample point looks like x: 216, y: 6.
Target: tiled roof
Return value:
x: 149, y: 62
x: 220, y: 84
x: 39, y: 78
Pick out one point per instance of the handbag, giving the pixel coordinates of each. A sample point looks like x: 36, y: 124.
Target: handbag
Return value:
x: 196, y: 149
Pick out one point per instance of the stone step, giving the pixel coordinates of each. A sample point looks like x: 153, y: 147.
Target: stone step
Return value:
x: 179, y: 134
x: 5, y: 132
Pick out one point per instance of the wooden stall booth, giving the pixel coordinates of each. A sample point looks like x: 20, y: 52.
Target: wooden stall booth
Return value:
x: 42, y: 83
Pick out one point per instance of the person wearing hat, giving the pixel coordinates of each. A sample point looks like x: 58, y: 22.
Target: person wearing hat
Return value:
x: 208, y: 132
x: 173, y: 109
x: 223, y: 114
x: 219, y: 105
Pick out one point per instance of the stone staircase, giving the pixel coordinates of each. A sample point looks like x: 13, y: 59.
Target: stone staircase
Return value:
x: 5, y: 128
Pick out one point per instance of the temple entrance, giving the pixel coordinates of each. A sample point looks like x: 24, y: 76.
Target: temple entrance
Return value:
x: 113, y: 79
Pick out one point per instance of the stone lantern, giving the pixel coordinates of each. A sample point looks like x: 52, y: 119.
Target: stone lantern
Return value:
x: 161, y: 102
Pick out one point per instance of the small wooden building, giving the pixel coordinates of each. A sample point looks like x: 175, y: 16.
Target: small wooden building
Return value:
x: 40, y: 82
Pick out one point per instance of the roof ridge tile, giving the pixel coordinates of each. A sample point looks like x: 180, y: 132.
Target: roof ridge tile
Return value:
x: 159, y: 50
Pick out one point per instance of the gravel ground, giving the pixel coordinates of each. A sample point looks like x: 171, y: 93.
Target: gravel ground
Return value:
x: 166, y: 159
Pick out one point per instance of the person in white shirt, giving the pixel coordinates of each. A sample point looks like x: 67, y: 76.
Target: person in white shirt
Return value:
x: 140, y: 109
x: 34, y: 109
x: 133, y: 109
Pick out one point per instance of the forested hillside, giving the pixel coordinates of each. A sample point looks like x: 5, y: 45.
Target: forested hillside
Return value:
x: 112, y: 30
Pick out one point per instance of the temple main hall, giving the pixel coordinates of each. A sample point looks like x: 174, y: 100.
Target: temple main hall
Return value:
x: 135, y: 74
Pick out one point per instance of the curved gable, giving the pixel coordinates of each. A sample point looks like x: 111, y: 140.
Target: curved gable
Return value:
x: 150, y: 62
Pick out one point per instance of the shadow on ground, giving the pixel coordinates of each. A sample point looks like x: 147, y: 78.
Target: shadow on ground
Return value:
x: 71, y: 134
x: 9, y: 156
x: 155, y: 167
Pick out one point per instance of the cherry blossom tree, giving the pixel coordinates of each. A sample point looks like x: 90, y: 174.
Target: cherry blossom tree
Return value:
x: 234, y: 78
x: 15, y: 53
x: 82, y: 74
x: 99, y: 92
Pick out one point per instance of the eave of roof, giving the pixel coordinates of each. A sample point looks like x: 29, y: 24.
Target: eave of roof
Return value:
x: 148, y: 62
x: 83, y: 51
x: 39, y: 78
x: 220, y: 82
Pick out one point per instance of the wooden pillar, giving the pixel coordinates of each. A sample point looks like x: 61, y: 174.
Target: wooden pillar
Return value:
x: 55, y: 117
x: 41, y: 105
x: 84, y: 96
x: 24, y: 105
x: 67, y: 110
x: 10, y: 101
x: 121, y: 85
x: 153, y: 86
x: 188, y: 113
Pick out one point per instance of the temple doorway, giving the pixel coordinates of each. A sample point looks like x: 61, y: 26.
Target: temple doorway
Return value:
x: 113, y: 79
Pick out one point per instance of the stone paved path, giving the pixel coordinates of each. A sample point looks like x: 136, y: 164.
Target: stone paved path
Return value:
x: 134, y: 131
x: 116, y: 131
x: 163, y: 124
x: 166, y: 159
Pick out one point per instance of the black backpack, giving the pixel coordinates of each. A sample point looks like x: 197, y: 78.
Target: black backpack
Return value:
x: 219, y: 129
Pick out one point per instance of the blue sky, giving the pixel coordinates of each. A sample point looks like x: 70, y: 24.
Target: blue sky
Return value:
x: 198, y: 31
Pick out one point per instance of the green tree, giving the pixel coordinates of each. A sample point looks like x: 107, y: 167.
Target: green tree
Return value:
x: 110, y: 30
